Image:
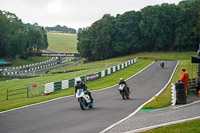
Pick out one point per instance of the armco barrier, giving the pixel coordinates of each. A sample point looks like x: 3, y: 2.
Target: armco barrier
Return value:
x: 106, y: 72
x: 103, y: 73
x: 111, y: 70
x: 65, y: 84
x: 99, y: 74
x: 30, y: 67
x: 71, y: 82
x: 114, y: 68
x: 51, y: 87
x: 83, y: 78
x: 57, y: 86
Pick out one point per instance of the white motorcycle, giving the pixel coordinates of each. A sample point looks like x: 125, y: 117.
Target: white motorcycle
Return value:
x: 123, y: 91
x: 83, y: 99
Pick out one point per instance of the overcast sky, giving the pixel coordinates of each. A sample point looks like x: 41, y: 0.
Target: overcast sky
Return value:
x: 72, y: 13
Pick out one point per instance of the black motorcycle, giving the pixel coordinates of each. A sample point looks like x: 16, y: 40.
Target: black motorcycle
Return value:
x: 162, y: 64
x: 123, y: 91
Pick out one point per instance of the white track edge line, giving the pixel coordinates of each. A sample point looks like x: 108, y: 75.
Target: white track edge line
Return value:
x: 186, y: 105
x: 163, y: 124
x: 68, y: 96
x: 111, y: 126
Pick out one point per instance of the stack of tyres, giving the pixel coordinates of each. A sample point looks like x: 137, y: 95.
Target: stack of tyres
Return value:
x: 180, y: 93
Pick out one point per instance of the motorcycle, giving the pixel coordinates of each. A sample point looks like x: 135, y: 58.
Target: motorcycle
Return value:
x: 123, y: 91
x: 162, y: 64
x: 83, y: 99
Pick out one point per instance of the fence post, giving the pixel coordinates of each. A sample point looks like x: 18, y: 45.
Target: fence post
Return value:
x: 7, y: 95
x: 27, y: 92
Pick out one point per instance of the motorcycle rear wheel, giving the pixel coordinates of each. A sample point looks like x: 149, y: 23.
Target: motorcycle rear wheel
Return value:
x: 123, y: 95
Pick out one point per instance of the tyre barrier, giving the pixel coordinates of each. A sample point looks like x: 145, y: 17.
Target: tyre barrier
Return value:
x: 180, y: 93
x: 173, y: 94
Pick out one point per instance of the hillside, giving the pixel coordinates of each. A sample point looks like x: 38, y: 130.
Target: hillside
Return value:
x: 62, y: 42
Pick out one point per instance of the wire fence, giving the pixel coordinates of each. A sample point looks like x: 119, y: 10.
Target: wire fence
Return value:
x: 33, y: 89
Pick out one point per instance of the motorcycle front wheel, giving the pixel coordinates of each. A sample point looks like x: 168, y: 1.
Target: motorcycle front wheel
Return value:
x: 82, y: 103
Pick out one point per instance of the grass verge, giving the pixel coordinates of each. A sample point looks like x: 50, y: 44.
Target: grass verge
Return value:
x: 186, y: 127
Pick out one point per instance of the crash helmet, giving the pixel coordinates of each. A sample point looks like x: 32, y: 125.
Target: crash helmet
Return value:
x: 78, y: 81
x: 121, y: 79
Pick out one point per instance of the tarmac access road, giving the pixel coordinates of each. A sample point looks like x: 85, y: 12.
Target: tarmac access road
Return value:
x: 46, y: 70
x: 64, y: 115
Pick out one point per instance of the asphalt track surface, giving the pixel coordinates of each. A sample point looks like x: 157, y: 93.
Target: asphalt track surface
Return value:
x: 65, y: 116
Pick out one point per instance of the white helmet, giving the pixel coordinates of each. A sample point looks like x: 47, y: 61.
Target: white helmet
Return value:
x: 78, y: 80
x: 121, y: 79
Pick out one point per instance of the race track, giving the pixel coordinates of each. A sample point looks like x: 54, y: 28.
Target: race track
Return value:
x: 65, y: 116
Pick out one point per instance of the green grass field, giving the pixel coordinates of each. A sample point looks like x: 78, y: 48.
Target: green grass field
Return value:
x: 62, y: 43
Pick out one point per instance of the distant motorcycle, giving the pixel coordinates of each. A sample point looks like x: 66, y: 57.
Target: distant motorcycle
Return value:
x: 123, y: 91
x: 162, y: 64
x: 83, y: 99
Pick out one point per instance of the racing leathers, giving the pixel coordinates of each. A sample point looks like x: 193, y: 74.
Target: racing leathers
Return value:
x: 123, y: 82
x: 81, y: 85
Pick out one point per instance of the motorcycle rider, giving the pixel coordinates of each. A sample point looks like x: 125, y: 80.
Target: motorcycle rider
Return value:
x: 162, y: 64
x: 81, y: 85
x: 123, y: 82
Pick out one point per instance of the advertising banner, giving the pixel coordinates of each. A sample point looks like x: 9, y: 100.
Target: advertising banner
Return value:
x: 92, y: 77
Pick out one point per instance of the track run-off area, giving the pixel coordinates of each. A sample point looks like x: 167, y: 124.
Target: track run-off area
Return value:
x: 64, y: 115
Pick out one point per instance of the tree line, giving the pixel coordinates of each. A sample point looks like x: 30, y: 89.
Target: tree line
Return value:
x: 17, y: 39
x: 165, y: 27
x: 62, y: 29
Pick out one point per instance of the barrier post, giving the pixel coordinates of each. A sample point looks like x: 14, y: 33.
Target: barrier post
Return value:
x: 27, y: 92
x: 7, y: 95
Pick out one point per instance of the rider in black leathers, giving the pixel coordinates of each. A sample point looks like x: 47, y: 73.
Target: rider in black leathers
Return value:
x: 123, y: 82
x: 81, y: 85
x: 162, y: 64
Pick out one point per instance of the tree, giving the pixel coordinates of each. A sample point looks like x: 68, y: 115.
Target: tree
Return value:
x: 187, y: 20
x: 162, y: 27
x: 95, y: 43
x: 11, y: 31
x: 158, y: 26
x: 44, y: 34
x: 62, y: 29
x: 35, y: 40
x: 127, y: 38
x: 17, y: 45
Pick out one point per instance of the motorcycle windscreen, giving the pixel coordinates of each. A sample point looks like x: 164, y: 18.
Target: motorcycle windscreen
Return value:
x: 79, y: 93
